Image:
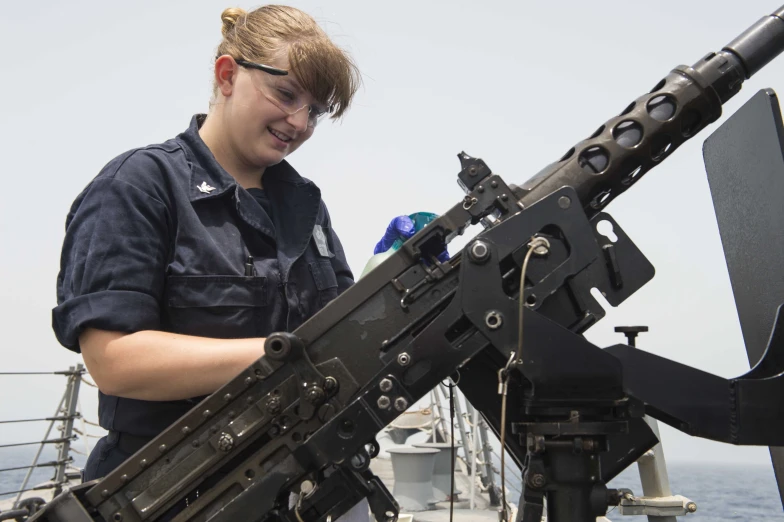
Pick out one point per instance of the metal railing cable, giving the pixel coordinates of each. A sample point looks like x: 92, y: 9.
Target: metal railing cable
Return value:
x: 48, y: 419
x: 39, y: 465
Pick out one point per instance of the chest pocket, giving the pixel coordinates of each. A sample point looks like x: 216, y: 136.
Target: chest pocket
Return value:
x: 223, y: 307
x: 325, y: 281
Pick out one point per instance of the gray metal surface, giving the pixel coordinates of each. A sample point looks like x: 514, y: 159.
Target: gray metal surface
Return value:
x: 745, y: 166
x: 413, y: 468
x: 442, y: 469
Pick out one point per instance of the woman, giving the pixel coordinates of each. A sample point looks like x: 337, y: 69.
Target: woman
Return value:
x: 179, y: 258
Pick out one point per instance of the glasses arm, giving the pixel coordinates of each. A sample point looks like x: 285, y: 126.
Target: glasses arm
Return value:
x: 261, y: 67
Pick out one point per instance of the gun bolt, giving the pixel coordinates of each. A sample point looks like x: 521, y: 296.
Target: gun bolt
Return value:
x: 401, y: 404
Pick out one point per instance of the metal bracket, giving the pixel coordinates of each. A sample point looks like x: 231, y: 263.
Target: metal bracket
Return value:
x: 673, y: 506
x: 313, y: 387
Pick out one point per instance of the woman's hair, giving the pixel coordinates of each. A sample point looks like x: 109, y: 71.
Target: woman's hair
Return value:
x: 321, y: 67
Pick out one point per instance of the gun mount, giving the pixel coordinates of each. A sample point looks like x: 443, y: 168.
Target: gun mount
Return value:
x: 303, y: 418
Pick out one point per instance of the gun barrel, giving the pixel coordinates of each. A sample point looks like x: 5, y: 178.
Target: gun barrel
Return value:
x: 688, y: 99
x: 760, y: 43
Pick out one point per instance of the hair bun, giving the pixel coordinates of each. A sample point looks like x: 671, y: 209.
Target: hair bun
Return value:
x: 229, y: 17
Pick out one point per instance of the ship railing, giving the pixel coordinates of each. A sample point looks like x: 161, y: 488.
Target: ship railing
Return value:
x: 67, y: 413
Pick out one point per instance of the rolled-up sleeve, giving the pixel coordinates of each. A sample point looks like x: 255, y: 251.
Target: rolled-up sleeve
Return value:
x: 113, y: 261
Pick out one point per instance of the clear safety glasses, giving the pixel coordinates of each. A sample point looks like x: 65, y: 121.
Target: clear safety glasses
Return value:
x: 282, y: 92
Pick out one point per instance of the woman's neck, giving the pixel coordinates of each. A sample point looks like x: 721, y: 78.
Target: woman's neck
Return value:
x: 212, y: 135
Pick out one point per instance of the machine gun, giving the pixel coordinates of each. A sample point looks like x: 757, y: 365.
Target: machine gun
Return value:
x: 303, y: 418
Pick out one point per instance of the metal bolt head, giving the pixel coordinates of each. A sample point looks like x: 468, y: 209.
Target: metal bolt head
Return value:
x: 537, y: 480
x: 162, y: 448
x: 472, y: 171
x: 248, y: 381
x: 185, y: 430
x: 330, y: 383
x: 479, y: 252
x: 494, y: 319
x: 206, y: 413
x: 385, y: 385
x: 143, y: 463
x: 227, y: 397
x: 383, y: 402
x: 315, y: 395
x: 403, y: 359
x: 306, y: 487
x: 273, y: 406
x: 225, y: 442
x: 401, y: 404
x: 105, y: 493
x: 326, y: 412
x: 692, y: 507
x: 494, y: 184
x: 564, y: 202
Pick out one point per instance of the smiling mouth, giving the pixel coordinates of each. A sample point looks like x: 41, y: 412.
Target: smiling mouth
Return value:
x: 282, y: 137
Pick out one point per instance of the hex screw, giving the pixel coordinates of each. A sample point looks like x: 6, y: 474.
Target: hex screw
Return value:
x: 225, y: 442
x: 383, y: 402
x: 273, y: 406
x: 385, y: 385
x: 401, y: 404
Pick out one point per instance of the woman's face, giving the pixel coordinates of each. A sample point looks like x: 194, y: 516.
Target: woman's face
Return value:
x: 260, y: 132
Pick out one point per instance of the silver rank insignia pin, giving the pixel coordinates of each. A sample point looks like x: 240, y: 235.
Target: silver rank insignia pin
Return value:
x: 206, y: 189
x: 321, y: 241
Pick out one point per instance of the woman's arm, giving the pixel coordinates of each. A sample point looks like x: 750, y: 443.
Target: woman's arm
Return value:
x: 161, y: 366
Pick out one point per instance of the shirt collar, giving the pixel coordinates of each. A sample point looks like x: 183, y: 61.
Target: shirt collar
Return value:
x: 210, y: 180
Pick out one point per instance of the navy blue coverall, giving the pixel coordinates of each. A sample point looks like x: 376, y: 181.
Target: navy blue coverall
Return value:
x: 165, y: 239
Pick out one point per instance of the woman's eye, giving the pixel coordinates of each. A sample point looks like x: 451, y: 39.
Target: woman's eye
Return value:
x: 286, y: 95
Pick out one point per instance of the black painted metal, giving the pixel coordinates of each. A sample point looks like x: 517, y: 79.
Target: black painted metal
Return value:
x: 744, y: 160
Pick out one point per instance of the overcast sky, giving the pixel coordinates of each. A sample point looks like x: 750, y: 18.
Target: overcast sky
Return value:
x: 515, y: 83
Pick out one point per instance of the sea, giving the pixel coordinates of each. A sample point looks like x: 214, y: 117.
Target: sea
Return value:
x: 723, y: 492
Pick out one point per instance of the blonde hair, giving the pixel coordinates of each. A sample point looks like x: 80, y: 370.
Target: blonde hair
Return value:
x: 323, y: 69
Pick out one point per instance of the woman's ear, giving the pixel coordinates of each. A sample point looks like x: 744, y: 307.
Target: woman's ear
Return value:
x: 225, y: 73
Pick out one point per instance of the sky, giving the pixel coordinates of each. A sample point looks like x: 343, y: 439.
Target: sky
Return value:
x: 515, y: 83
